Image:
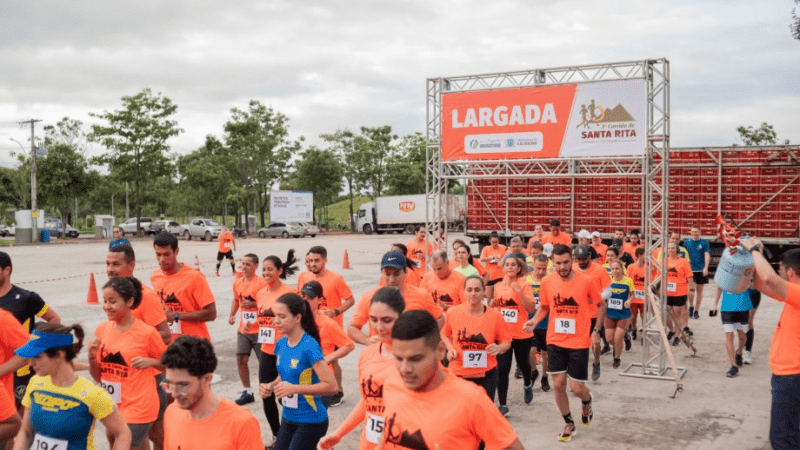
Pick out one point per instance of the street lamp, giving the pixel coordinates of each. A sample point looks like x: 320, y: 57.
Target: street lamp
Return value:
x: 34, y: 211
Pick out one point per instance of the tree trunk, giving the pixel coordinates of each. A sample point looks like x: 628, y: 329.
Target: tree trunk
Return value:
x: 350, y: 220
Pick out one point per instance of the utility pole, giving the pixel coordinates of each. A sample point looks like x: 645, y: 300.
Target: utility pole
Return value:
x: 34, y: 211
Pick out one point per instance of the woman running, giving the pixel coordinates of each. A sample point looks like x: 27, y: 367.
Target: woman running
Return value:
x: 465, y: 263
x: 513, y: 297
x: 375, y: 364
x: 474, y: 336
x: 303, y: 376
x: 474, y: 262
x: 124, y: 357
x: 60, y: 406
x: 612, y: 254
x: 273, y: 271
x: 618, y: 313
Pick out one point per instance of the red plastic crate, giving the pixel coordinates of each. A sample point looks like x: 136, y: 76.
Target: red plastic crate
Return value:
x: 708, y: 189
x: 771, y: 180
x: 619, y: 197
x: 633, y: 214
x: 729, y: 188
x: 601, y: 181
x: 789, y: 198
x: 489, y: 190
x: 535, y: 181
x: 788, y: 233
x: 748, y: 172
x: 635, y: 198
x: 691, y: 198
x: 600, y: 198
x: 535, y: 190
x: 708, y: 198
x: 519, y: 190
x: 519, y: 182
x: 708, y: 172
x: 688, y: 172
x: 634, y: 188
x: 751, y: 155
x: 770, y: 171
x: 583, y: 181
x: 788, y: 224
x: 619, y: 181
x: 771, y: 206
x: 788, y: 216
x: 619, y: 189
x: 729, y: 172
x: 550, y: 190
x: 748, y: 181
x: 749, y: 188
x: 708, y: 206
x: 787, y: 178
x: 708, y: 215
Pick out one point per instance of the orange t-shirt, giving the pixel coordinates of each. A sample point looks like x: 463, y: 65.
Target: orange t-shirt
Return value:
x: 247, y: 290
x: 331, y: 334
x: 150, y: 310
x: 184, y: 291
x: 7, y: 408
x: 562, y: 238
x: 601, y: 250
x: 230, y: 427
x: 508, y: 303
x: 784, y: 358
x: 133, y: 390
x: 531, y: 241
x: 570, y: 304
x: 456, y: 415
x: 225, y: 242
x: 448, y: 291
x: 600, y: 279
x: 630, y: 249
x: 416, y: 299
x: 496, y: 254
x: 373, y: 370
x: 268, y: 333
x: 418, y: 250
x: 470, y: 336
x: 334, y: 290
x: 636, y: 273
x: 678, y: 270
x: 13, y: 336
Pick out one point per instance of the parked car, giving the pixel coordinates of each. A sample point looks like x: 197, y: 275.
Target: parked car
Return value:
x: 4, y: 230
x: 207, y: 229
x: 311, y: 229
x: 57, y: 230
x: 168, y: 225
x: 129, y: 226
x: 283, y: 230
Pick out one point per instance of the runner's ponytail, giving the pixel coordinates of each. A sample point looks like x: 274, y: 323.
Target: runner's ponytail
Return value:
x: 70, y: 351
x: 298, y: 306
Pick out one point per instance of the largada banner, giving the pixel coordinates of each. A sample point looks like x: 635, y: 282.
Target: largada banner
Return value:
x: 605, y: 118
x: 291, y: 206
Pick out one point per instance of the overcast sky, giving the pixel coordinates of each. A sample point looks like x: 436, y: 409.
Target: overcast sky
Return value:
x: 344, y: 64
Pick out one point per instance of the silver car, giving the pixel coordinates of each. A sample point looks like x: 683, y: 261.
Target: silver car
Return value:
x: 282, y: 229
x: 311, y: 229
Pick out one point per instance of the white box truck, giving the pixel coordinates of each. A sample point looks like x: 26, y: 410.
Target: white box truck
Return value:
x: 401, y: 213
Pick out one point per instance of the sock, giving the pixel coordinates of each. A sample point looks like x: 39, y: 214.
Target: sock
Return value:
x: 248, y: 390
x: 568, y: 418
x: 233, y: 268
x: 748, y: 343
x: 218, y: 264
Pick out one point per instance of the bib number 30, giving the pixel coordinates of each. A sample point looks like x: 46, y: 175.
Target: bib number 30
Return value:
x: 113, y: 389
x: 47, y: 443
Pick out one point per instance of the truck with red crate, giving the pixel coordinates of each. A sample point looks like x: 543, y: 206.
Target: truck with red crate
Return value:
x: 758, y: 187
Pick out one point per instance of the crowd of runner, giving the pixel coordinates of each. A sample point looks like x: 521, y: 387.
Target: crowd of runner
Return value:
x: 434, y: 362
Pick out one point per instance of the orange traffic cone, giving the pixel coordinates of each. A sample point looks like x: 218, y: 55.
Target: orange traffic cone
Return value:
x: 91, y: 297
x: 345, y: 261
x: 197, y: 263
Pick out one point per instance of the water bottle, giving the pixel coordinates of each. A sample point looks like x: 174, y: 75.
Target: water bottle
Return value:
x: 735, y: 270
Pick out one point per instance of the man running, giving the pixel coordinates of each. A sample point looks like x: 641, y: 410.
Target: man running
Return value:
x: 538, y: 235
x: 630, y: 247
x: 419, y: 248
x: 188, y: 301
x: 198, y: 418
x: 734, y: 312
x: 570, y: 298
x: 26, y: 306
x: 428, y: 408
x: 784, y: 429
x: 540, y: 270
x: 226, y: 241
x: 118, y: 239
x: 555, y: 236
x: 699, y: 258
x: 245, y: 289
x: 599, y: 247
x: 444, y: 285
x: 602, y: 284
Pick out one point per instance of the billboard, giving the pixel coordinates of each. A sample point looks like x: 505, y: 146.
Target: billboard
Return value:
x: 291, y: 206
x: 604, y: 118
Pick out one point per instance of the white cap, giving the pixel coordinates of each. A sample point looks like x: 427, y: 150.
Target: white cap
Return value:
x: 595, y: 233
x: 584, y: 234
x: 548, y: 249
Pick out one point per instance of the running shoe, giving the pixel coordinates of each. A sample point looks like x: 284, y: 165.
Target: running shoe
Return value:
x: 696, y: 314
x: 748, y: 357
x: 518, y: 373
x: 504, y: 410
x: 627, y: 340
x: 528, y: 393
x: 633, y: 333
x: 739, y: 361
x: 595, y: 372
x: 568, y: 433
x: 676, y: 341
x: 733, y: 372
x: 216, y: 273
x: 688, y: 331
x: 670, y: 335
x: 587, y: 414
x: 545, y: 384
x: 691, y: 312
x: 336, y: 400
x: 534, y: 375
x: 245, y: 398
x: 617, y: 363
x: 606, y: 349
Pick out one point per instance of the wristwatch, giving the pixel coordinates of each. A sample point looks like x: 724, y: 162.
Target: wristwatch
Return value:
x: 177, y: 317
x: 755, y: 248
x: 336, y: 311
x: 597, y: 330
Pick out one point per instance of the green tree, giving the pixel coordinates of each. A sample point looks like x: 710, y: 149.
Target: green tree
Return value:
x: 763, y: 135
x: 320, y: 172
x: 352, y: 160
x: 406, y: 171
x: 209, y: 172
x: 377, y: 150
x: 136, y: 138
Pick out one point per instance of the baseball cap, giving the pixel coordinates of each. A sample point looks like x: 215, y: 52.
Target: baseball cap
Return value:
x: 312, y: 289
x: 40, y: 342
x: 394, y: 260
x: 582, y: 252
x: 595, y: 234
x: 584, y: 234
x: 547, y: 249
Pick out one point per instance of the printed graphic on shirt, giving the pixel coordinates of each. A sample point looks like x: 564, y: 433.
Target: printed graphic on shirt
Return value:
x: 369, y: 389
x: 396, y: 434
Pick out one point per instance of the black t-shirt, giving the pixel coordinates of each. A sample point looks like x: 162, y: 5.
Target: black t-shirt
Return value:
x: 24, y: 305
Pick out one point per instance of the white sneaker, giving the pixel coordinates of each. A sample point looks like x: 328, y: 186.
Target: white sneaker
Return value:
x: 748, y: 357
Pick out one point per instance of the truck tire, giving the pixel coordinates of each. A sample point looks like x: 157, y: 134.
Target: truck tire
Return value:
x: 187, y: 235
x: 207, y: 236
x: 285, y: 235
x: 409, y: 229
x: 262, y: 235
x: 367, y: 229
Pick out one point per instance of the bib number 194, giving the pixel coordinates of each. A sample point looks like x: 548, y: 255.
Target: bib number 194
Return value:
x: 47, y: 443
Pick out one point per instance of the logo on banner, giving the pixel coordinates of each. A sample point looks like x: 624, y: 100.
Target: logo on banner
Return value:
x: 606, y: 123
x: 407, y: 206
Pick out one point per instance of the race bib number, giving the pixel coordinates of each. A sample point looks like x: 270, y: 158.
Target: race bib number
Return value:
x: 114, y: 389
x: 47, y: 443
x: 672, y: 287
x: 374, y: 428
x: 227, y: 245
x: 615, y: 303
x: 638, y: 294
x: 474, y: 360
x: 509, y: 315
x: 266, y: 336
x: 290, y: 401
x: 565, y: 326
x: 249, y: 316
x: 175, y: 327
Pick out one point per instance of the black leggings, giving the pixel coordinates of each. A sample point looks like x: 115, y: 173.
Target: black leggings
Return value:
x: 300, y: 436
x: 268, y: 372
x: 521, y: 349
x: 488, y: 382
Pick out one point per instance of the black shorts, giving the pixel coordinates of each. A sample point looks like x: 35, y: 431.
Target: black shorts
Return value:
x: 493, y: 282
x: 21, y: 385
x: 573, y: 362
x: 755, y: 298
x: 699, y: 278
x: 228, y: 255
x: 679, y: 300
x: 540, y: 339
x: 734, y: 320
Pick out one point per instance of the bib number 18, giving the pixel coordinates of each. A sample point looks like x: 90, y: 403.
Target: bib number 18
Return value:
x: 565, y: 326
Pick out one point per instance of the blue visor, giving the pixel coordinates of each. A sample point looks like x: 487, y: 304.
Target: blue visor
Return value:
x: 40, y: 342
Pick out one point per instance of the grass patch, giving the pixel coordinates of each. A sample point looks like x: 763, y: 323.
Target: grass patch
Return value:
x: 6, y: 242
x: 338, y: 212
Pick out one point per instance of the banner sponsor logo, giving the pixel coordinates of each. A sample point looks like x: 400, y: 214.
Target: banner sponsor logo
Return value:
x: 407, y: 206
